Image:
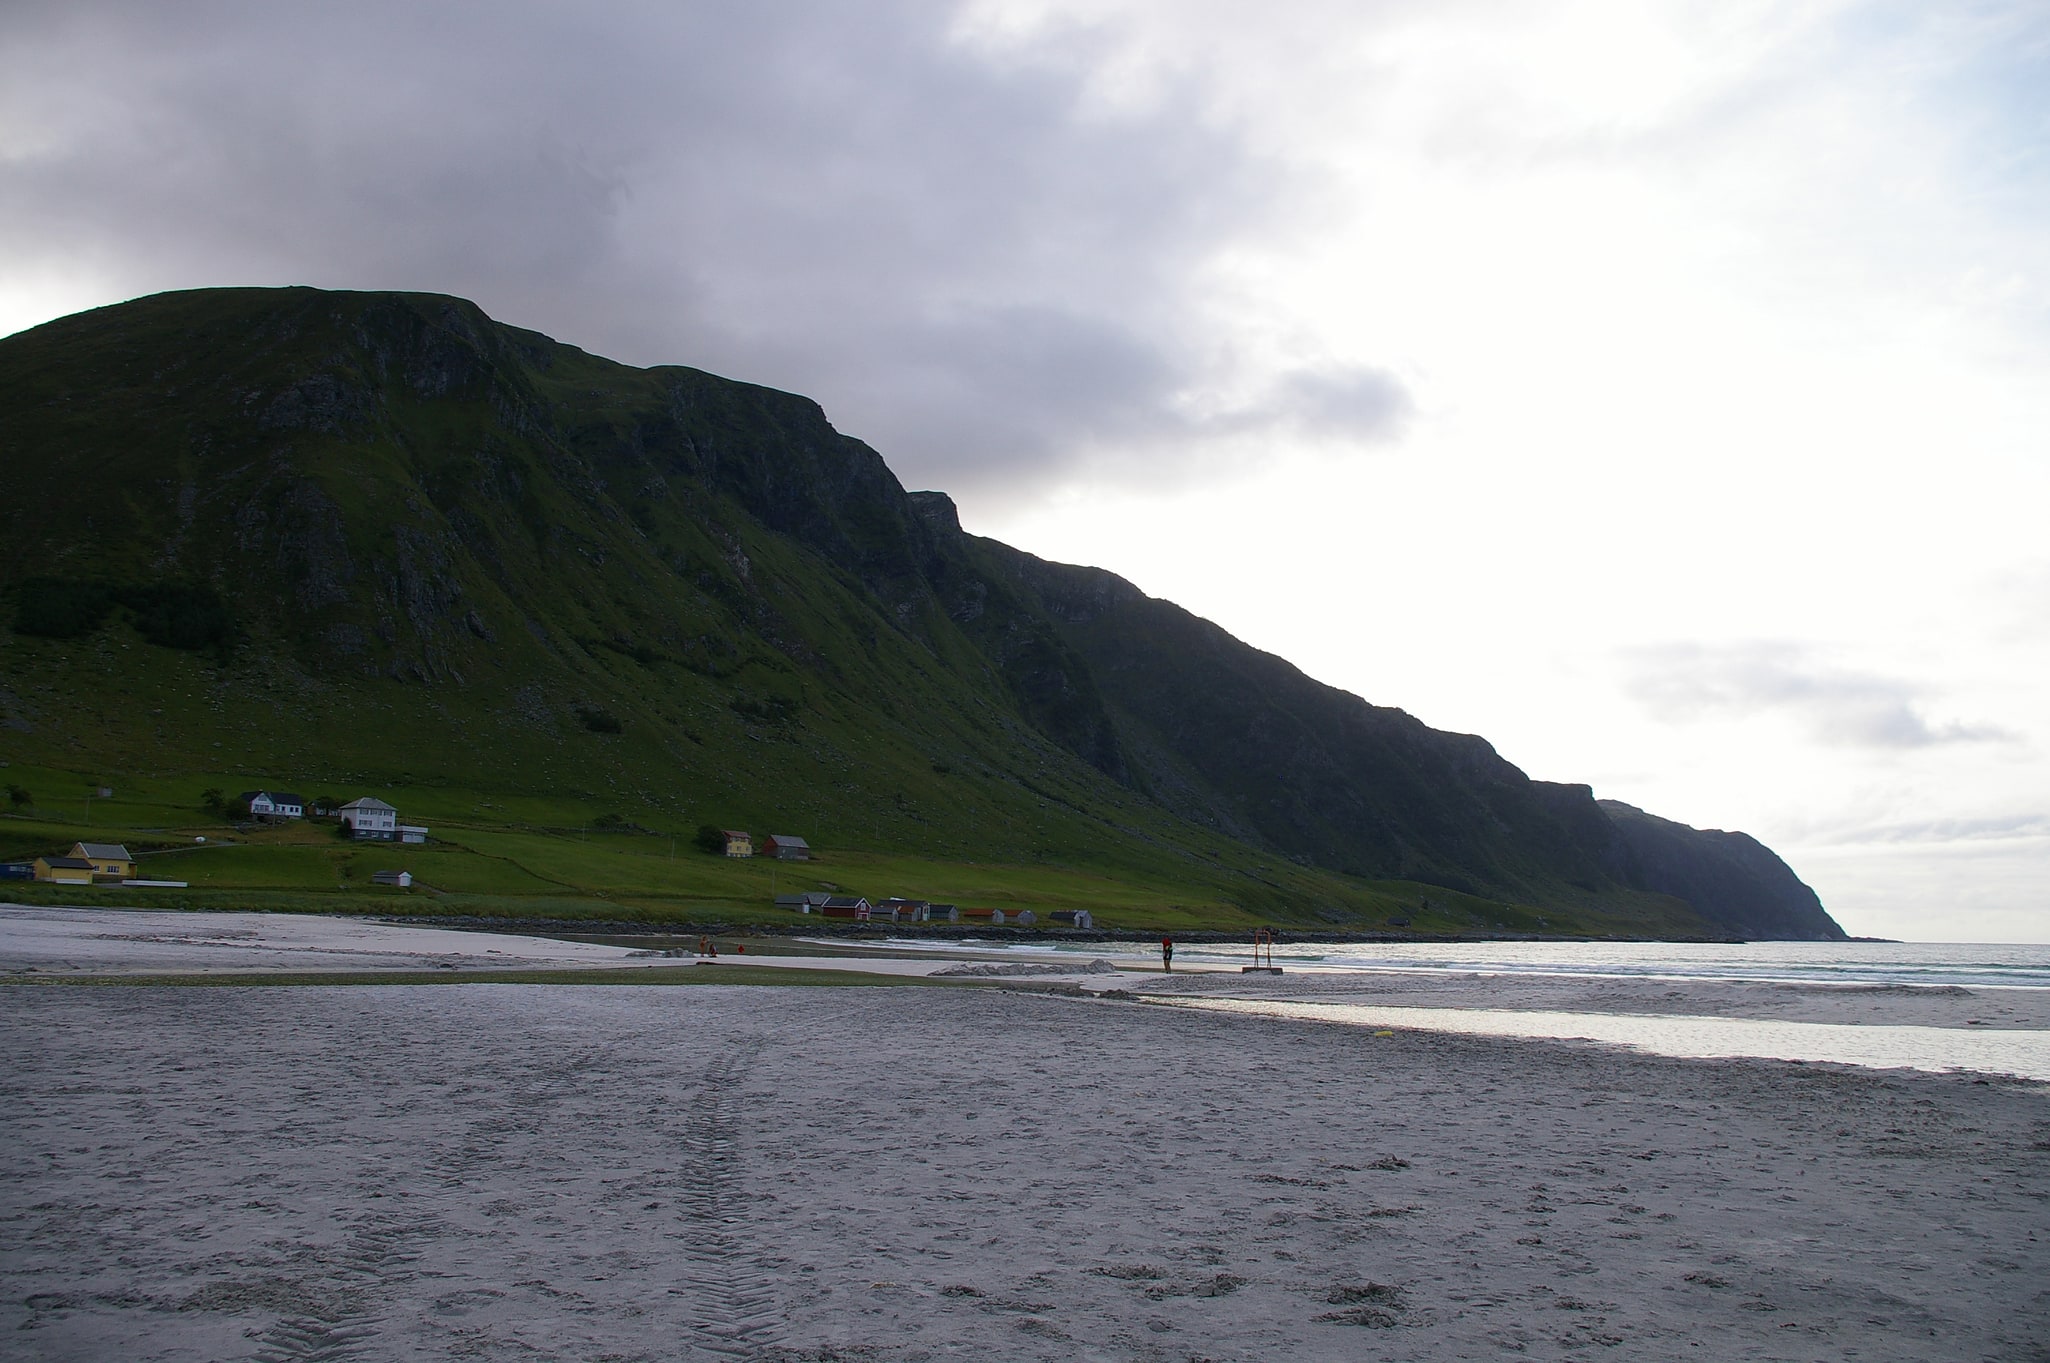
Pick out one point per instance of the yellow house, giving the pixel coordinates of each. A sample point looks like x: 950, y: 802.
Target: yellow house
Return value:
x: 738, y: 844
x: 109, y: 860
x: 64, y: 870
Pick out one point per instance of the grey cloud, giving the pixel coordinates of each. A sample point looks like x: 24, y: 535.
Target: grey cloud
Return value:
x: 969, y: 266
x: 1998, y: 828
x: 1684, y: 683
x: 1345, y: 402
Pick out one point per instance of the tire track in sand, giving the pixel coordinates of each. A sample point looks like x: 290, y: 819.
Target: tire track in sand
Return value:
x: 732, y: 1301
x: 373, y: 1257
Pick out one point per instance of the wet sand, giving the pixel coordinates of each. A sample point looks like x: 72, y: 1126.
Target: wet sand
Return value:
x: 518, y: 1171
x: 1866, y: 1004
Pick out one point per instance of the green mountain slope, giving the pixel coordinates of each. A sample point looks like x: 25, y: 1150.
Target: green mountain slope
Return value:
x: 340, y: 540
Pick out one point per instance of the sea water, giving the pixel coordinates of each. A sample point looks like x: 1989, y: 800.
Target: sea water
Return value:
x: 2022, y: 1053
x: 1971, y: 965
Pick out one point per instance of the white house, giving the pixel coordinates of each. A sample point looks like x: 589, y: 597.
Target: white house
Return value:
x: 371, y: 817
x: 274, y: 804
x: 402, y: 879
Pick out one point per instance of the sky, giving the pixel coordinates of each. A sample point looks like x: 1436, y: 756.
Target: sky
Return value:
x: 1658, y: 389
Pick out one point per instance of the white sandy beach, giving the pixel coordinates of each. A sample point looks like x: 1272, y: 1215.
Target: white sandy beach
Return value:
x: 520, y: 1171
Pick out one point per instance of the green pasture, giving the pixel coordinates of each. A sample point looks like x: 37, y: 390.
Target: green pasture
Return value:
x: 521, y: 854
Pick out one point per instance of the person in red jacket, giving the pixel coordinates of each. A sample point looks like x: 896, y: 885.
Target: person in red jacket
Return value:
x: 1167, y: 953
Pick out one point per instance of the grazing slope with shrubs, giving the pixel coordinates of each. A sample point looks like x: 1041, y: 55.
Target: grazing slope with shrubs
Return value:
x: 566, y: 612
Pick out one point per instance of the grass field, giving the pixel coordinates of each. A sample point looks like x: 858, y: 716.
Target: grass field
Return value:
x: 517, y: 854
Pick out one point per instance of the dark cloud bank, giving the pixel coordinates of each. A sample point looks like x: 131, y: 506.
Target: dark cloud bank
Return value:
x: 969, y: 265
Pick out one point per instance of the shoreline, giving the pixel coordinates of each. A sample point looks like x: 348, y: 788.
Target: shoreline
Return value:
x: 43, y: 944
x: 1927, y: 1026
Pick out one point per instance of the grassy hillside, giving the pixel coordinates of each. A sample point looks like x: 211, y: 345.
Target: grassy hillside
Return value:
x: 349, y: 544
x: 504, y: 854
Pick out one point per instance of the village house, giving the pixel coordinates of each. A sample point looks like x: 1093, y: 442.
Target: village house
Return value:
x: 845, y: 906
x: 802, y: 903
x: 738, y: 843
x: 903, y: 910
x: 265, y: 804
x: 109, y: 860
x: 64, y: 870
x: 784, y: 847
x: 942, y: 913
x: 370, y: 817
x: 402, y: 879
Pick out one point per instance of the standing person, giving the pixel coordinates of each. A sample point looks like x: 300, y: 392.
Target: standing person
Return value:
x: 1167, y: 953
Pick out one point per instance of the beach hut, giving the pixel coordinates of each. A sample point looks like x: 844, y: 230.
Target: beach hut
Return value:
x: 1074, y: 918
x: 1026, y: 918
x: 996, y: 917
x: 942, y: 913
x: 402, y: 879
x: 844, y: 906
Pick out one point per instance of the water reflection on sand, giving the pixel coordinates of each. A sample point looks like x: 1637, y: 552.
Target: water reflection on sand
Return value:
x: 2022, y: 1053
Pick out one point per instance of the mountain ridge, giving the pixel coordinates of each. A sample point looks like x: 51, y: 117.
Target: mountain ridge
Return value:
x: 450, y: 512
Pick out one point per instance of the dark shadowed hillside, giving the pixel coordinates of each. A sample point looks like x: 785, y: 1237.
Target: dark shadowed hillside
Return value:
x: 380, y: 536
x: 1731, y: 878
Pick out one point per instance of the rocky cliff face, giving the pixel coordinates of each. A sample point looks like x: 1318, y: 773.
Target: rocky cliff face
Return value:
x: 396, y: 488
x: 1730, y: 878
x: 1242, y: 741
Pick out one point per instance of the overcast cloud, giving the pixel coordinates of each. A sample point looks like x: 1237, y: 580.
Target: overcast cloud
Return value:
x: 976, y: 266
x: 1687, y: 682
